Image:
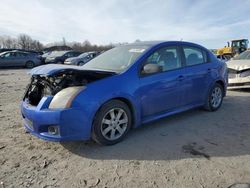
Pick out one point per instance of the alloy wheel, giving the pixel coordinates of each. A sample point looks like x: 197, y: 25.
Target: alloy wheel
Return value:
x: 114, y: 124
x: 29, y: 64
x: 216, y: 97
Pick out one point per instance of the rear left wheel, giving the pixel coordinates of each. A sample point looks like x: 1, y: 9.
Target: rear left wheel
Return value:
x: 112, y: 122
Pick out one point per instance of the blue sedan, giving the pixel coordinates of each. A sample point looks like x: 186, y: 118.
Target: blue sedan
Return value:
x: 123, y: 88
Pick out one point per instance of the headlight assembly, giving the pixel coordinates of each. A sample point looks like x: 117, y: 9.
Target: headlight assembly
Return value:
x: 64, y: 98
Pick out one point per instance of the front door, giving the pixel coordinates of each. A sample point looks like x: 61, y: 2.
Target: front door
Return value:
x: 161, y: 92
x: 8, y: 59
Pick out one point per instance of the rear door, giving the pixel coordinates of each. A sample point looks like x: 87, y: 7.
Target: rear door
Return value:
x: 21, y: 58
x: 16, y: 59
x: 197, y: 75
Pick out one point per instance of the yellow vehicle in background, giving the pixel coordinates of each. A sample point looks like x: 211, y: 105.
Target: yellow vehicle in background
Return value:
x: 237, y: 46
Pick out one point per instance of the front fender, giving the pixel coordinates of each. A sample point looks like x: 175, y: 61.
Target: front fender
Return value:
x: 97, y: 93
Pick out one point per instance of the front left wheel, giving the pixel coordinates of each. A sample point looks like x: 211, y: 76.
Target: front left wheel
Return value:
x: 112, y: 122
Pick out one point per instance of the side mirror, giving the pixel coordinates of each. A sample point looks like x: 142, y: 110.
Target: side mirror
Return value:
x: 151, y: 68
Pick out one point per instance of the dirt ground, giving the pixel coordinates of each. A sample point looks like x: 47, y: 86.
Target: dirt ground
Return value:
x: 192, y: 149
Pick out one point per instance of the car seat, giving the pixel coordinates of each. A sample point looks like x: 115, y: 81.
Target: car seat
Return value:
x: 193, y: 59
x: 168, y: 61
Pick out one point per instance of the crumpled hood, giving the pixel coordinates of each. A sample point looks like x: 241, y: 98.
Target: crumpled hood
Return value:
x: 51, y: 69
x: 238, y: 64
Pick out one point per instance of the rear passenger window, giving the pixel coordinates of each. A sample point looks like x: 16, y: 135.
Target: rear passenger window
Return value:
x: 18, y: 54
x: 194, y: 56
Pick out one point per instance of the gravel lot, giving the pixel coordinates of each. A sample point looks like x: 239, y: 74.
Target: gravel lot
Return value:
x: 191, y: 149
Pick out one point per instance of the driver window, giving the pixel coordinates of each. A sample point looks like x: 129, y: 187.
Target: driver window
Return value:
x: 8, y: 55
x: 166, y: 58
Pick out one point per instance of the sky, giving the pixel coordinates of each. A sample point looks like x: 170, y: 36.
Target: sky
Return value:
x: 210, y: 23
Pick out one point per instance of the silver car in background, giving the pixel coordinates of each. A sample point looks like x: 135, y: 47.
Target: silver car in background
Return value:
x: 81, y: 59
x: 239, y: 71
x: 58, y: 57
x: 19, y: 59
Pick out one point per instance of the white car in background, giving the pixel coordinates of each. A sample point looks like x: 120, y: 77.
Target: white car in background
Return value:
x: 239, y: 71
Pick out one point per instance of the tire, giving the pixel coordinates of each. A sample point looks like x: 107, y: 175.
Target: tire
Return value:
x: 215, y: 98
x: 111, y: 123
x: 29, y: 65
x: 59, y: 62
x: 80, y: 63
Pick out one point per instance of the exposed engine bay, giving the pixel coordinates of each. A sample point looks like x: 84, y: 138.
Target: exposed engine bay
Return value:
x: 43, y: 85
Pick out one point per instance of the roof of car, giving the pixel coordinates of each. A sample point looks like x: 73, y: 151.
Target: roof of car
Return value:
x: 19, y: 51
x: 152, y: 43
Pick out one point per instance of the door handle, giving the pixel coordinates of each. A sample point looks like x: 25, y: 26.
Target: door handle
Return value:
x: 180, y: 78
x: 209, y: 70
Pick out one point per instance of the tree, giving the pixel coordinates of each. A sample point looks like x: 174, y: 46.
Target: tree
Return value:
x: 24, y: 41
x: 36, y: 45
x: 8, y: 42
x: 86, y: 46
x: 27, y: 43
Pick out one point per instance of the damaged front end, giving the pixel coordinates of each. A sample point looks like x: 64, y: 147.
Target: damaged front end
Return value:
x: 52, y: 85
x: 46, y: 107
x: 238, y: 79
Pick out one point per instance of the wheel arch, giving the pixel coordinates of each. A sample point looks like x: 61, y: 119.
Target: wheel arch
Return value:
x: 223, y: 86
x: 211, y: 85
x: 130, y: 105
x: 128, y: 102
x: 29, y: 61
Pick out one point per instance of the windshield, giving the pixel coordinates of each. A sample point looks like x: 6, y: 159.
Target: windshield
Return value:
x: 46, y: 54
x: 83, y: 55
x: 117, y: 59
x: 2, y: 54
x: 243, y: 55
x: 57, y: 53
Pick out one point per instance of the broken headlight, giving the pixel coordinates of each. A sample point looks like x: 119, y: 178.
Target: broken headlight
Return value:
x: 64, y: 98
